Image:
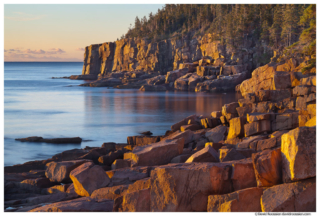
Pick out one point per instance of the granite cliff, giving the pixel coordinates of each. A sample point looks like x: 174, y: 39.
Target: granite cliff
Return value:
x: 133, y: 54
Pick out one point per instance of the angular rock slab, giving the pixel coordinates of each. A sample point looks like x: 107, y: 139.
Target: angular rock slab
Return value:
x: 87, y: 178
x: 109, y: 192
x: 83, y: 204
x: 236, y: 127
x: 217, y: 134
x: 138, y: 201
x: 290, y: 197
x: 185, y: 187
x: 242, y: 175
x: 230, y: 155
x: 268, y: 167
x: 60, y: 171
x: 246, y: 200
x: 187, y: 135
x: 257, y: 127
x: 298, y: 150
x: 155, y: 154
x: 207, y: 154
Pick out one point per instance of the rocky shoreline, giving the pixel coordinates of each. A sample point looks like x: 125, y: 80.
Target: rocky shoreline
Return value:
x: 257, y: 154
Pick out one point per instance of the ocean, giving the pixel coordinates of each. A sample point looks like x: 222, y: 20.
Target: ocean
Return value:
x: 37, y: 105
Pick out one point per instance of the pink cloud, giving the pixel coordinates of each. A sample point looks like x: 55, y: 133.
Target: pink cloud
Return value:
x: 80, y: 49
x: 40, y: 51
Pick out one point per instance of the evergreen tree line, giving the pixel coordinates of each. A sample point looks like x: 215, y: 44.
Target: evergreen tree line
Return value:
x: 276, y: 25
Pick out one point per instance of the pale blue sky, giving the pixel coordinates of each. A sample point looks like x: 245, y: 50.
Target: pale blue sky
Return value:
x: 60, y: 32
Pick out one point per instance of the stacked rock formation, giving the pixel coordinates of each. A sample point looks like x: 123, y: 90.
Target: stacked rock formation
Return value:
x: 257, y: 154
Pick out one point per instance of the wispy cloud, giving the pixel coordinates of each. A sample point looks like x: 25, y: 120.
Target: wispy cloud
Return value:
x: 80, y: 49
x: 40, y: 51
x: 55, y: 51
x: 53, y: 54
x: 20, y: 16
x: 52, y: 51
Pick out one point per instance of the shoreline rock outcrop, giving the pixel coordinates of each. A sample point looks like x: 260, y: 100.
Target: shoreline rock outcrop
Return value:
x: 257, y: 154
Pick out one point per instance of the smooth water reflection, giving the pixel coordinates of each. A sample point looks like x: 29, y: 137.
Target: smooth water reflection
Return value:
x: 36, y: 105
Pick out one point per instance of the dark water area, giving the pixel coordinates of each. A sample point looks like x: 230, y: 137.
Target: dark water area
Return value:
x: 37, y: 105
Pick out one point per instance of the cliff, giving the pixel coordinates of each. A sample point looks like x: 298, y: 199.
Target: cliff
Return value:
x: 133, y: 54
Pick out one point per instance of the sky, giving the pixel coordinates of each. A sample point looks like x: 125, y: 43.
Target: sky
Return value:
x: 56, y: 32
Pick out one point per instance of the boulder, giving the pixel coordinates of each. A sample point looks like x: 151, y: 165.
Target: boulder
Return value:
x: 298, y: 149
x: 184, y: 121
x: 109, y: 145
x: 216, y: 134
x: 230, y: 155
x: 109, y: 192
x: 216, y: 146
x: 243, y: 111
x: 58, y: 188
x: 285, y: 121
x: 268, y: 144
x: 291, y: 197
x: 257, y: 127
x: 302, y: 90
x: 155, y: 154
x: 185, y: 187
x: 139, y: 185
x: 312, y: 122
x: 111, y: 157
x: 60, y: 171
x: 312, y: 80
x: 138, y: 201
x: 187, y: 136
x: 191, y: 127
x: 242, y: 175
x: 236, y: 128
x: 120, y: 163
x: 216, y: 114
x: 246, y: 200
x: 207, y: 154
x: 83, y: 204
x: 268, y: 167
x: 87, y: 178
x: 253, y: 117
x: 312, y: 110
x: 68, y: 155
x: 142, y: 140
x: 127, y: 175
x: 230, y: 108
x: 38, y: 182
x: 248, y: 141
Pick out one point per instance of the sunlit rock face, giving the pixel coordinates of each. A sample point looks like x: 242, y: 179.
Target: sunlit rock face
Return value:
x: 133, y: 54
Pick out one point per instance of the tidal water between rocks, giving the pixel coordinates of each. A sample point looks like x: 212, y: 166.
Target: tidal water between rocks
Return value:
x: 37, y: 105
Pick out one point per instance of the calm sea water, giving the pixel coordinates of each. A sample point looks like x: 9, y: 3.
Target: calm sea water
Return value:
x: 36, y: 105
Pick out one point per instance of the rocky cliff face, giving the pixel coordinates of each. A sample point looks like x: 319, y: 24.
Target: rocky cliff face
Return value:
x: 142, y: 55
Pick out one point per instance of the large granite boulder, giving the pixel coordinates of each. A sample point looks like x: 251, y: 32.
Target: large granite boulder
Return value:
x: 246, y: 200
x: 291, y: 197
x: 109, y: 192
x: 88, y: 177
x: 59, y: 171
x: 137, y: 201
x: 207, y: 154
x: 217, y: 134
x: 236, y: 128
x: 268, y: 167
x: 155, y: 154
x: 298, y: 149
x: 185, y: 187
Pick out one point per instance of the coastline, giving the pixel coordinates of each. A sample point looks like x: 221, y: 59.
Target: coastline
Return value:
x: 243, y: 134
